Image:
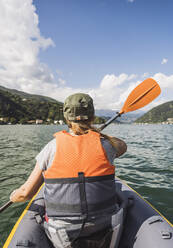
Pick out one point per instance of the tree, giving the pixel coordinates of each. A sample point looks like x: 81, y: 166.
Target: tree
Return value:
x: 99, y: 120
x: 13, y: 120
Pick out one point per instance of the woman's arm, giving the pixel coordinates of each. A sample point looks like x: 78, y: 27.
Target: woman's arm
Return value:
x: 119, y: 145
x: 30, y: 187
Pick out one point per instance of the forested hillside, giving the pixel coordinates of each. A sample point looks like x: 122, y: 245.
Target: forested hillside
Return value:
x: 20, y: 107
x: 158, y: 114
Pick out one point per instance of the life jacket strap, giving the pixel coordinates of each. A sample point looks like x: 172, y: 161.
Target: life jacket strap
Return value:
x: 83, y: 202
x: 82, y: 192
x: 76, y: 179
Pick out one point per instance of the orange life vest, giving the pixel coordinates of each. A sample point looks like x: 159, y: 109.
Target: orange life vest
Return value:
x: 79, y: 153
x: 80, y: 179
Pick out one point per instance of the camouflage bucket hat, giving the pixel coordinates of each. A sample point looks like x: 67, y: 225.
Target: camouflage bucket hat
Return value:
x: 78, y: 107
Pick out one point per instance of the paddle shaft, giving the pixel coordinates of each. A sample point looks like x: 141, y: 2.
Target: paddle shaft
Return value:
x: 5, y: 206
x: 109, y: 121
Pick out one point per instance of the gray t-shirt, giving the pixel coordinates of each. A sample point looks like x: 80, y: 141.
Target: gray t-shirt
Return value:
x: 46, y: 156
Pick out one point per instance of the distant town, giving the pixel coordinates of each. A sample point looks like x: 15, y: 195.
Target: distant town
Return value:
x: 8, y: 121
x: 169, y: 121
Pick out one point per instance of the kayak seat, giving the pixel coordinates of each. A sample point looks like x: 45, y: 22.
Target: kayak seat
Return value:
x: 105, y: 238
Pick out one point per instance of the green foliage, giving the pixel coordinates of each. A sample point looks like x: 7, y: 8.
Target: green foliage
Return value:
x: 16, y: 109
x: 99, y: 120
x: 158, y: 114
x: 13, y: 120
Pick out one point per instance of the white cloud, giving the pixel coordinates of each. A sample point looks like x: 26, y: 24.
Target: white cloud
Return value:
x: 132, y: 76
x: 112, y: 81
x: 61, y: 81
x: 145, y: 75
x: 165, y: 82
x: 164, y: 61
x: 20, y: 42
x: 130, y: 1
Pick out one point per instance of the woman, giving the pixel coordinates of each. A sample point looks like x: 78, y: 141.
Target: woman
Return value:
x: 78, y: 171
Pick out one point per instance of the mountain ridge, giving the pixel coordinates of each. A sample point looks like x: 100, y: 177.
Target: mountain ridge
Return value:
x: 20, y: 107
x: 27, y: 95
x: 158, y: 114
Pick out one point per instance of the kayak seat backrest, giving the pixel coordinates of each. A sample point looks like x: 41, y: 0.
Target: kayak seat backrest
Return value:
x: 106, y: 238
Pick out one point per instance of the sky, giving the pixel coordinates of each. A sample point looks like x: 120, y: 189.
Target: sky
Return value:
x: 100, y: 47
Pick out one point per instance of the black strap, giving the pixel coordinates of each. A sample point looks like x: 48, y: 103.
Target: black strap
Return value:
x: 83, y: 201
x: 71, y: 180
x: 82, y: 192
x: 76, y: 208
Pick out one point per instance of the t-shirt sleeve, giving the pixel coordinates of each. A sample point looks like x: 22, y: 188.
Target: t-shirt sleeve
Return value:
x: 46, y: 156
x: 109, y: 149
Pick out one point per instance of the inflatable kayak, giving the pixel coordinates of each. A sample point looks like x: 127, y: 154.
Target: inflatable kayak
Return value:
x: 143, y: 226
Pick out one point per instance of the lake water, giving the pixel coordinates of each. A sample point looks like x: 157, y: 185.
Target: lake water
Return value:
x: 147, y: 166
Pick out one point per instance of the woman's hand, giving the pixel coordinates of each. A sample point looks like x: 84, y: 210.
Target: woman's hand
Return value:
x: 12, y: 196
x: 19, y: 195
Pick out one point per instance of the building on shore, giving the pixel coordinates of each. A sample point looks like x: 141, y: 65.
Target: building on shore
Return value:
x: 31, y: 122
x: 170, y: 120
x: 61, y: 122
x: 39, y: 121
x: 4, y: 119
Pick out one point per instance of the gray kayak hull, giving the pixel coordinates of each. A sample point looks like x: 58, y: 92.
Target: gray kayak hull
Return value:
x: 143, y: 225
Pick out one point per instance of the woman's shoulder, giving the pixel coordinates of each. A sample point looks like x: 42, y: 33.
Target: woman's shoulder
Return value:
x: 45, y: 157
x: 109, y: 149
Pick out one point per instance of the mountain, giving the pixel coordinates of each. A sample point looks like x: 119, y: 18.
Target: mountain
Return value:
x: 20, y: 107
x: 158, y: 114
x: 126, y: 118
x: 25, y: 95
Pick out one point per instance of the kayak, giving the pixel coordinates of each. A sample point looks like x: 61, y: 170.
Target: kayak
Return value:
x: 143, y: 226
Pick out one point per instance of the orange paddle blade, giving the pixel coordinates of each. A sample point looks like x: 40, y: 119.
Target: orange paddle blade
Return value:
x: 143, y: 94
